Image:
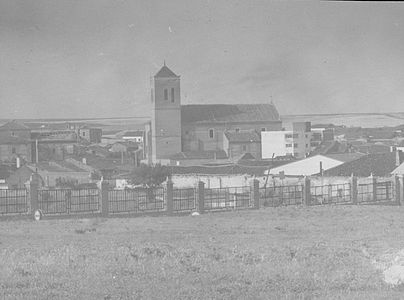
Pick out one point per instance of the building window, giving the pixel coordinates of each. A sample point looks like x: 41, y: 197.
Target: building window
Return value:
x: 237, y: 129
x: 84, y: 133
x: 263, y: 129
x: 295, y: 145
x: 295, y: 135
x: 13, y: 150
x: 244, y: 148
x: 211, y: 134
x: 288, y: 136
x: 165, y: 94
x: 288, y: 145
x: 172, y: 94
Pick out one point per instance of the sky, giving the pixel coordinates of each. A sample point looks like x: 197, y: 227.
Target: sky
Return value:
x: 95, y: 58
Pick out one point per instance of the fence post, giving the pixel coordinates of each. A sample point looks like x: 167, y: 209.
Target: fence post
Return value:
x: 201, y: 197
x: 104, y: 199
x: 329, y: 194
x: 374, y: 187
x: 401, y: 180
x: 33, y: 194
x: 397, y: 188
x: 354, y: 189
x: 255, y: 193
x: 170, y: 188
x: 307, y: 191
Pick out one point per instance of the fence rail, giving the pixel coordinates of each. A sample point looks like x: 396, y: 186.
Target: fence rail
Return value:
x: 68, y: 201
x: 331, y: 194
x: 13, y: 202
x: 227, y: 198
x: 136, y: 200
x: 273, y: 196
x: 376, y: 192
x: 106, y: 201
x: 184, y: 200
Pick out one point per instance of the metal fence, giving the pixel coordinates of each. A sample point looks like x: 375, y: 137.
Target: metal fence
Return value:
x: 184, y: 200
x: 385, y: 191
x: 272, y: 196
x: 376, y: 192
x: 152, y: 200
x: 331, y: 194
x: 68, y: 201
x: 227, y: 198
x: 136, y: 200
x: 13, y: 202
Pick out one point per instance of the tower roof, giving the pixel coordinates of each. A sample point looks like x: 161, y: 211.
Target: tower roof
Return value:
x: 165, y: 72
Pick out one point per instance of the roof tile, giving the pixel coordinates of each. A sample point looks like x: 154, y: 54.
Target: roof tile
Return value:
x: 228, y: 113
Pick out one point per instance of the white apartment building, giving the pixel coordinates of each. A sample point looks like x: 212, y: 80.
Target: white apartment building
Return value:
x: 295, y: 142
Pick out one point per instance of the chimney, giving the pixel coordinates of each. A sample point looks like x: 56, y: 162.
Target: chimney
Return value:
x: 398, y: 162
x: 18, y: 162
x: 321, y: 168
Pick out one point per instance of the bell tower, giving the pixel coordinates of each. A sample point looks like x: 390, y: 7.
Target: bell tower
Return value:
x: 166, y: 115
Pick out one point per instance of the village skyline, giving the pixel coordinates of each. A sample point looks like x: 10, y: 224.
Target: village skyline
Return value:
x: 94, y: 60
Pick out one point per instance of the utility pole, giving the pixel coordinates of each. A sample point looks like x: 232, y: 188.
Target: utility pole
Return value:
x: 272, y: 163
x: 36, y: 152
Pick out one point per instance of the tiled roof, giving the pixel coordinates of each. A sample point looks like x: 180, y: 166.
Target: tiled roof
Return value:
x: 165, y: 72
x: 137, y: 133
x: 228, y: 113
x: 13, y: 140
x: 227, y: 169
x: 373, y: 148
x: 60, y: 166
x: 243, y: 136
x: 378, y: 164
x: 101, y: 163
x: 345, y: 157
x: 5, y: 171
x: 13, y: 125
x: 219, y: 154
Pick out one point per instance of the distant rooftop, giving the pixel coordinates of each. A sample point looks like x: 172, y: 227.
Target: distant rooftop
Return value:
x: 378, y: 164
x: 13, y: 125
x: 211, y: 154
x: 243, y: 136
x: 136, y: 133
x: 222, y: 170
x: 13, y: 140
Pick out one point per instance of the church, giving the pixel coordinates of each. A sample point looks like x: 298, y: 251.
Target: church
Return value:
x: 206, y: 131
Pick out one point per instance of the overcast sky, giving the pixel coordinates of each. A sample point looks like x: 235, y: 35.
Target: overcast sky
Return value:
x: 95, y: 58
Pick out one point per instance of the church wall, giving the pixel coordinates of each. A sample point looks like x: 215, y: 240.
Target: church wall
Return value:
x: 195, y: 137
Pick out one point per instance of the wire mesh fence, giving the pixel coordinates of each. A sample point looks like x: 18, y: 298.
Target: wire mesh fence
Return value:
x: 136, y: 200
x: 227, y: 198
x: 385, y: 191
x: 374, y: 192
x: 14, y: 202
x: 331, y: 194
x: 68, y: 201
x: 282, y: 195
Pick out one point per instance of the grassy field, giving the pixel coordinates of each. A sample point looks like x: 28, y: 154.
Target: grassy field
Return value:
x: 279, y: 253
